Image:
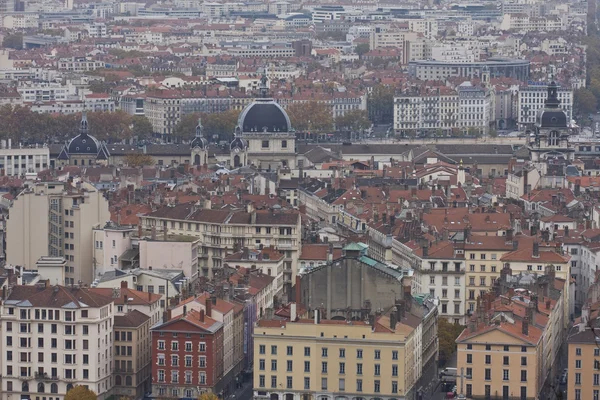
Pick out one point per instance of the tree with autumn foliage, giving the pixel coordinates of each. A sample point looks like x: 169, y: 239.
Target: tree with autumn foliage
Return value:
x: 141, y: 127
x: 80, y: 393
x: 380, y: 104
x: 311, y: 117
x: 110, y: 126
x: 138, y: 160
x: 353, y: 121
x: 208, y: 396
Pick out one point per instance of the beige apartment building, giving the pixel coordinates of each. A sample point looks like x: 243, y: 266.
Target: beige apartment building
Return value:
x: 512, y: 342
x: 56, y: 219
x: 328, y: 359
x: 55, y: 338
x: 132, y: 354
x: 222, y: 232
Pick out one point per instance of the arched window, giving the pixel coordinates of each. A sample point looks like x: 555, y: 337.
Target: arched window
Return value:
x: 129, y: 381
x: 274, y: 396
x: 118, y: 380
x: 41, y: 387
x: 554, y: 138
x: 25, y: 387
x: 54, y: 388
x: 69, y: 387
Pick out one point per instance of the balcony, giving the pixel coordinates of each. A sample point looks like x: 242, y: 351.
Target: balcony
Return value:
x: 45, y: 377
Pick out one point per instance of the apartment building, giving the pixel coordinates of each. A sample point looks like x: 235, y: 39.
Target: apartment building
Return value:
x: 187, y: 355
x: 126, y: 300
x: 222, y: 231
x: 55, y: 338
x: 526, y: 23
x: 319, y: 358
x: 583, y: 352
x: 268, y: 261
x: 440, y: 271
x: 56, y: 219
x: 163, y: 110
x: 512, y: 343
x: 132, y: 372
x: 21, y: 161
x: 531, y: 100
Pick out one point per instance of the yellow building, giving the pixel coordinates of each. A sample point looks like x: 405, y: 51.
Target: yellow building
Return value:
x: 327, y: 359
x: 584, y: 357
x: 511, y: 345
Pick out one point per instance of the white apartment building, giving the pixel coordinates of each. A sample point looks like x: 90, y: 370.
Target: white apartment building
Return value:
x: 47, y: 91
x: 328, y: 13
x: 110, y: 242
x: 441, y: 273
x: 56, y: 219
x: 523, y: 22
x: 55, y: 338
x: 21, y: 161
x: 383, y: 37
x: 96, y: 29
x: 428, y: 27
x: 454, y: 52
x: 79, y: 64
x: 531, y: 100
x: 20, y: 21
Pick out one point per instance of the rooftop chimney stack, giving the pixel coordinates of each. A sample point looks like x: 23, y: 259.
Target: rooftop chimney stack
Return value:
x: 525, y: 326
x: 393, y: 318
x: 293, y: 312
x: 536, y: 250
x: 208, y: 306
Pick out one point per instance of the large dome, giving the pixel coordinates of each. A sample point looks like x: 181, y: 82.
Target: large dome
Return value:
x: 552, y: 115
x: 264, y: 115
x: 83, y: 143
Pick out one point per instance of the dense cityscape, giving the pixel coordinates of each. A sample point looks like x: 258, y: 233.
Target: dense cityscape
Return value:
x: 270, y: 200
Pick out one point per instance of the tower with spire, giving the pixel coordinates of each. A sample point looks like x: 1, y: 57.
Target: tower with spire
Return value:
x: 199, y: 146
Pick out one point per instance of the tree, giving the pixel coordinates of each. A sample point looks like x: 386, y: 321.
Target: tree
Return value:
x: 98, y: 86
x: 208, y: 396
x: 584, y: 102
x: 141, y: 127
x: 139, y: 160
x: 110, y: 126
x: 447, y: 334
x: 80, y: 393
x: 13, y: 41
x: 380, y: 104
x: 218, y: 125
x: 362, y: 49
x: 353, y: 120
x: 310, y: 117
x: 186, y: 127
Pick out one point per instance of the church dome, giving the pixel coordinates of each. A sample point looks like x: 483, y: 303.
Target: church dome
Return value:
x: 264, y: 114
x: 552, y: 116
x: 83, y: 143
x: 238, y: 143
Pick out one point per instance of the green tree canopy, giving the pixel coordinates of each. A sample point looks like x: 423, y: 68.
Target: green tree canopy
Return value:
x: 13, y: 41
x: 80, y: 393
x: 353, y: 120
x: 584, y: 101
x: 110, y: 126
x: 141, y: 127
x: 362, y: 48
x: 447, y: 334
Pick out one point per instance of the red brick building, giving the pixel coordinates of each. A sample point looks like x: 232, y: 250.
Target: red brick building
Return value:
x: 187, y: 356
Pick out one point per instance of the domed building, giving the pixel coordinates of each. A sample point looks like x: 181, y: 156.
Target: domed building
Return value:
x: 264, y: 136
x: 551, y: 140
x: 83, y: 149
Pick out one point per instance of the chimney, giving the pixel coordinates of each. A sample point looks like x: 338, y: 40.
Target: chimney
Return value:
x: 509, y: 235
x: 149, y: 296
x: 425, y: 250
x: 330, y: 253
x: 566, y: 231
x: 123, y: 284
x: 531, y: 313
x: 515, y: 245
x: 139, y: 230
x: 214, y: 300
x: 472, y: 325
x: 525, y: 326
x: 297, y: 287
x: 184, y: 310
x: 208, y: 305
x: 536, y: 250
x: 293, y: 312
x: 393, y: 318
x: 548, y: 303
x: 317, y: 317
x: 201, y: 317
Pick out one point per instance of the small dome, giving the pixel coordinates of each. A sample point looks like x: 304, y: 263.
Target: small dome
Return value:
x: 83, y: 143
x: 199, y: 140
x: 552, y: 116
x: 264, y: 115
x: 238, y: 143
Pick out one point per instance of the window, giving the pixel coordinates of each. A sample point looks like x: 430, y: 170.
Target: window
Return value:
x: 377, y: 386
x: 323, y: 383
x: 289, y: 382
x: 505, y: 360
x: 577, y: 394
x: 469, y: 373
x: 306, y: 366
x: 469, y: 358
x: 394, y: 387
x: 261, y: 381
x: 306, y: 352
x: 261, y: 349
x: 394, y: 354
x: 306, y: 383
x: 290, y: 350
x: 342, y: 384
x: 523, y: 349
x: 342, y: 368
x: 284, y: 144
x: 324, y: 352
x: 578, y: 378
x: 359, y: 369
x: 342, y: 353
x: 469, y: 389
x: 324, y: 367
x: 488, y: 359
x: 523, y: 360
x: 359, y: 385
x: 394, y: 370
x: 578, y: 364
x: 596, y: 379
x: 523, y: 376
x: 273, y: 365
x: 378, y: 354
x: 488, y: 374
x: 265, y: 144
x: 274, y: 350
x: 377, y: 369
x: 359, y: 353
x: 273, y: 381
